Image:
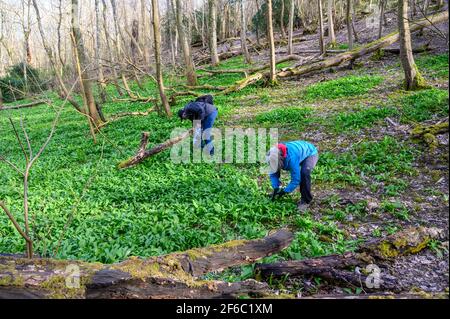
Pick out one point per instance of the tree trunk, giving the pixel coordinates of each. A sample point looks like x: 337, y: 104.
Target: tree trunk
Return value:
x: 290, y: 48
x: 380, y: 27
x: 348, y: 19
x: 272, y: 78
x: 247, y: 56
x: 175, y: 275
x: 84, y: 66
x: 64, y: 93
x: 413, y: 78
x: 189, y: 64
x: 212, y: 7
x: 142, y: 154
x: 331, y: 35
x: 144, y: 38
x: 101, y: 78
x: 283, y: 32
x: 157, y: 48
x: 108, y: 44
x: 134, y: 43
x: 321, y: 36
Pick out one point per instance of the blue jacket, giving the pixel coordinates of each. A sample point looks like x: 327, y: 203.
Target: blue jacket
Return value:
x: 297, y: 151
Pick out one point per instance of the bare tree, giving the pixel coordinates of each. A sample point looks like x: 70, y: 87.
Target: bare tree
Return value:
x: 291, y: 27
x: 331, y: 35
x: 413, y: 78
x: 82, y: 65
x: 348, y: 19
x: 30, y: 160
x: 321, y: 33
x: 101, y: 77
x: 157, y: 48
x: 64, y: 93
x: 244, y: 47
x: 283, y: 32
x: 108, y: 45
x: 273, y: 76
x: 189, y: 64
x: 212, y: 8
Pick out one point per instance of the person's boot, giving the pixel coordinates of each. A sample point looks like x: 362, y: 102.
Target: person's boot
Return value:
x: 302, y: 206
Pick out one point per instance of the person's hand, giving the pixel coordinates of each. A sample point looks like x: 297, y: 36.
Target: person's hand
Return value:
x: 281, y: 192
x: 274, y: 194
x: 277, y: 192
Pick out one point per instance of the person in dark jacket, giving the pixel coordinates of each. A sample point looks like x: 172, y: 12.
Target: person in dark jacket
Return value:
x: 204, y: 111
x: 299, y: 158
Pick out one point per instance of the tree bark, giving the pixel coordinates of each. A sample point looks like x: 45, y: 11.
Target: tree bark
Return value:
x: 84, y: 65
x: 244, y: 47
x: 272, y: 78
x: 331, y: 35
x: 157, y: 48
x: 142, y: 154
x: 348, y: 19
x: 108, y: 44
x: 174, y: 275
x: 413, y: 78
x: 189, y: 64
x: 283, y: 31
x: 290, y: 48
x: 321, y: 33
x: 101, y: 77
x: 375, y: 251
x: 212, y: 19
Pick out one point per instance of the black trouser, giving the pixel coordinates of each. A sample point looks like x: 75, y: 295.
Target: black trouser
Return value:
x: 306, y: 168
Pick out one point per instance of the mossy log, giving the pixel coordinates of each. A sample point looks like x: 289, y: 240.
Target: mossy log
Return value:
x: 428, y: 133
x: 340, y: 268
x: 174, y: 275
x: 239, y: 85
x: 386, y: 295
x: 143, y: 153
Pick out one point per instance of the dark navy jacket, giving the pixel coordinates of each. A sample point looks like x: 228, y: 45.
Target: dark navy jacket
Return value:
x: 198, y: 110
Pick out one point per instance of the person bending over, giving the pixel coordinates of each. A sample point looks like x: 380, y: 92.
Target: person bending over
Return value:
x: 299, y: 158
x: 203, y: 111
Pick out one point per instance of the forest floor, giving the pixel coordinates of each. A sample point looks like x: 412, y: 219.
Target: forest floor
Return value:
x: 372, y: 178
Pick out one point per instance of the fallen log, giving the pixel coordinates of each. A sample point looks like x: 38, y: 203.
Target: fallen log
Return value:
x: 170, y: 276
x: 288, y: 58
x: 239, y: 85
x: 428, y: 133
x: 142, y: 153
x: 423, y: 48
x: 23, y: 106
x: 118, y: 116
x: 361, y: 51
x: 340, y: 268
x: 345, y: 56
x: 173, y: 97
x: 385, y: 295
x: 205, y: 87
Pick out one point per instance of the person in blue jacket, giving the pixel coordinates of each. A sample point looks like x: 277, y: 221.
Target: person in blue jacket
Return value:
x: 299, y: 158
x: 203, y: 110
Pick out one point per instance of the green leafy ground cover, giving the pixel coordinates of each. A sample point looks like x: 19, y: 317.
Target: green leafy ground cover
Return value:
x: 83, y: 207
